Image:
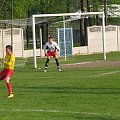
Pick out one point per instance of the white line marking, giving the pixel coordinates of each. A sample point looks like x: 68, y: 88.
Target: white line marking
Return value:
x: 59, y: 111
x: 72, y: 64
x: 89, y: 76
x: 82, y: 63
x: 103, y: 74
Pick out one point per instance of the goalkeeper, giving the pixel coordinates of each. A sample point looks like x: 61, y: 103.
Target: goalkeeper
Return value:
x: 8, y: 70
x: 51, y: 50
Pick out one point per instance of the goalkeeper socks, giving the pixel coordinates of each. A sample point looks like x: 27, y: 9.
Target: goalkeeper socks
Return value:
x: 9, y: 86
x: 57, y: 63
x: 46, y: 64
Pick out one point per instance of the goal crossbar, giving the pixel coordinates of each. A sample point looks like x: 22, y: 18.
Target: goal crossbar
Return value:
x: 62, y: 15
x: 67, y: 14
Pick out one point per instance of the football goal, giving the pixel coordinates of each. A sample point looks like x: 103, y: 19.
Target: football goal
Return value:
x: 73, y: 32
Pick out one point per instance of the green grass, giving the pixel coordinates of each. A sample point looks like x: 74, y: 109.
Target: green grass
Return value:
x: 73, y: 94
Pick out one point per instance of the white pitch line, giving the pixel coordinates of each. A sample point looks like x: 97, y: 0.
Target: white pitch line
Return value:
x: 103, y: 74
x: 58, y: 111
x: 89, y: 76
x: 72, y: 64
x: 82, y: 63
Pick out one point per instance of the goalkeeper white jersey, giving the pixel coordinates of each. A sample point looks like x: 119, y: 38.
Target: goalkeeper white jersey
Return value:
x: 51, y: 47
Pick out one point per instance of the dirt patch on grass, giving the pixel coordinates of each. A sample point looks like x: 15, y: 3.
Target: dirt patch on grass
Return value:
x: 92, y: 64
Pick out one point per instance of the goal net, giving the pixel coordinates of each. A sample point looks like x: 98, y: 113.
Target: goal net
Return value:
x: 80, y: 36
x: 12, y: 32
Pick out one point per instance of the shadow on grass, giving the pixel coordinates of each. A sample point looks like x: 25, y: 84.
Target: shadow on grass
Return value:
x: 94, y: 117
x: 70, y: 90
x: 82, y: 116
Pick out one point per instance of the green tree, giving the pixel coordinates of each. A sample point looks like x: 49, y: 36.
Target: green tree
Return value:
x: 5, y: 10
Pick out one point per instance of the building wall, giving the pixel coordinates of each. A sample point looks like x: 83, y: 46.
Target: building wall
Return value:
x: 17, y: 39
x: 95, y: 42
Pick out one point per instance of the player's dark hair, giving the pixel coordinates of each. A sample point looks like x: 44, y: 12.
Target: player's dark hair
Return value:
x: 9, y: 47
x: 50, y: 37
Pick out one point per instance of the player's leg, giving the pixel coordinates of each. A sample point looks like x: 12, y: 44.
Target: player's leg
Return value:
x: 46, y: 63
x: 57, y: 62
x: 2, y: 75
x: 9, y: 86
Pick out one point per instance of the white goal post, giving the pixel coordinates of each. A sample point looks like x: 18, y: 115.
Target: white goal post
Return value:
x: 63, y: 15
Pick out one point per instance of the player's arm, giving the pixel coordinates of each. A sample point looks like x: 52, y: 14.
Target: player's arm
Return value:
x: 57, y: 47
x: 9, y: 63
x: 1, y: 62
x: 45, y: 49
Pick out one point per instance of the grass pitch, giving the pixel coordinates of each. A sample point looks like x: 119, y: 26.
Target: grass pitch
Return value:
x: 74, y: 94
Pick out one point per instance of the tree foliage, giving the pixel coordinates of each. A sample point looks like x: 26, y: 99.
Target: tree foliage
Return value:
x: 22, y: 7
